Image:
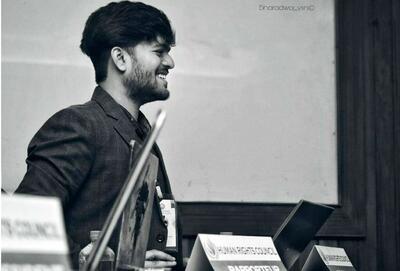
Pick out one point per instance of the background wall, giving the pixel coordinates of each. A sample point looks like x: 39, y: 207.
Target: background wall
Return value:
x: 252, y: 106
x: 366, y: 221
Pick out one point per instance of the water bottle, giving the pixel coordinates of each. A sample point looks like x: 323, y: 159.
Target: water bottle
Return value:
x: 106, y: 262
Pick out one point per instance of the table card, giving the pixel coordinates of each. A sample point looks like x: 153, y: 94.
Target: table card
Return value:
x: 32, y: 234
x: 234, y: 253
x: 329, y: 259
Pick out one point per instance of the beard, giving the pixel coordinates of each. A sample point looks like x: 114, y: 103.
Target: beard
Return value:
x: 142, y: 86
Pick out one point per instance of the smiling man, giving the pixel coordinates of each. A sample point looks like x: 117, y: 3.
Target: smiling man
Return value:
x: 81, y: 154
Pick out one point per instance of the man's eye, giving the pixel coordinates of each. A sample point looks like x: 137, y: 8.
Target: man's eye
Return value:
x: 159, y: 52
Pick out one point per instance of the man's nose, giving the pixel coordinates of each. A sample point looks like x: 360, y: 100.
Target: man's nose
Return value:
x: 168, y: 61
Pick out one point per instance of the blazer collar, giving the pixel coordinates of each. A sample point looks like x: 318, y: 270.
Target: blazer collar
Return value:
x: 109, y: 105
x: 126, y: 128
x: 114, y: 110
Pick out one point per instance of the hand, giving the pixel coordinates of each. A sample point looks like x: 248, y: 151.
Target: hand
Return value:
x: 158, y: 259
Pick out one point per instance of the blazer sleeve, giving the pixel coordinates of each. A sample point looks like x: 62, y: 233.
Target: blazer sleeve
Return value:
x: 60, y: 156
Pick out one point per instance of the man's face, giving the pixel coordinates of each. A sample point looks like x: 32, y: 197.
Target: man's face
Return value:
x: 145, y: 80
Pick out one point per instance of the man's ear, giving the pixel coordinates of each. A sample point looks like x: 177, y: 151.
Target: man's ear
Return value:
x: 120, y: 58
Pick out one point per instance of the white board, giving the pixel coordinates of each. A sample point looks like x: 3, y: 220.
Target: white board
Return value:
x: 252, y: 112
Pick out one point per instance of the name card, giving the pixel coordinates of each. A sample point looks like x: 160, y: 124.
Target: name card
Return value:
x: 329, y: 259
x: 234, y: 253
x: 32, y: 234
x: 168, y: 210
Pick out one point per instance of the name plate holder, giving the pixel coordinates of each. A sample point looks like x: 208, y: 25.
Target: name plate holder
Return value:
x: 234, y: 253
x: 32, y: 234
x: 324, y: 258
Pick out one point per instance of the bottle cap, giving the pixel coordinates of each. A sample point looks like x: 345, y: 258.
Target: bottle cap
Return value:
x: 94, y: 235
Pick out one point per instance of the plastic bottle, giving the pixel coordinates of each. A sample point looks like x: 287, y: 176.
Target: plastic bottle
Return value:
x: 106, y: 262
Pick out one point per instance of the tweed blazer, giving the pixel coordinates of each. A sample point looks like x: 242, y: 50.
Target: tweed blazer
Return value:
x: 81, y: 155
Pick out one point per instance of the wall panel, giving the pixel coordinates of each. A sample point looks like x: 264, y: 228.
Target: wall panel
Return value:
x: 366, y: 221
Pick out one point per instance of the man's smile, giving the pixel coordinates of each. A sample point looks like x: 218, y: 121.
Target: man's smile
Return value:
x: 163, y: 77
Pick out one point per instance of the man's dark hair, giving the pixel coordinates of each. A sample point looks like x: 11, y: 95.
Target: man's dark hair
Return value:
x: 123, y: 24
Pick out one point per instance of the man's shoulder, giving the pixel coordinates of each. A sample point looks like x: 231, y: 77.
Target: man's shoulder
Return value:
x: 86, y: 120
x: 89, y: 111
x: 86, y: 108
x: 87, y: 117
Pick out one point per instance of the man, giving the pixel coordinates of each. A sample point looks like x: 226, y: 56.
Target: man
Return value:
x: 82, y: 153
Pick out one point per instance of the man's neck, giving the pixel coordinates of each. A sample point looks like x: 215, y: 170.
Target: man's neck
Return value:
x: 120, y: 95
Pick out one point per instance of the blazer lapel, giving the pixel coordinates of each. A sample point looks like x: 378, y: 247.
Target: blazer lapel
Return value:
x: 126, y: 129
x: 113, y: 110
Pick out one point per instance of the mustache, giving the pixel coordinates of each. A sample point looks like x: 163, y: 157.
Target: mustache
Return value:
x: 162, y: 71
